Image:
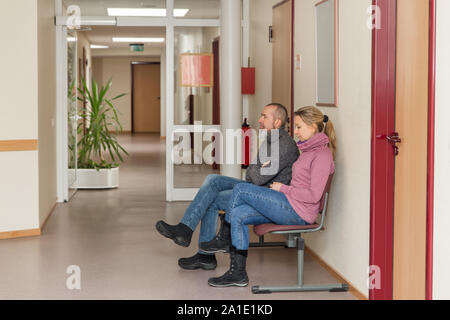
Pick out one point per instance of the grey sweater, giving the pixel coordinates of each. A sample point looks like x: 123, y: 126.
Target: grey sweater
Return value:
x: 283, y: 160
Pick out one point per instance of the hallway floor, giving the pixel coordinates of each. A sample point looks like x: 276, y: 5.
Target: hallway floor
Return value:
x: 111, y: 236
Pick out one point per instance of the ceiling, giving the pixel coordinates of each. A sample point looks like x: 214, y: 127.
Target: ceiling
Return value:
x: 102, y: 35
x: 198, y: 9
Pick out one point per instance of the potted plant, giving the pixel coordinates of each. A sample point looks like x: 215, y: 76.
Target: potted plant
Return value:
x: 97, y: 142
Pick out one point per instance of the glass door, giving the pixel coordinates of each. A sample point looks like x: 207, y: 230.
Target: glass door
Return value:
x: 193, y: 105
x: 72, y: 111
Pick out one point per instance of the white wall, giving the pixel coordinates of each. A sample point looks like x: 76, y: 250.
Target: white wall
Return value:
x: 19, y: 193
x: 441, y: 240
x: 19, y: 111
x: 345, y: 243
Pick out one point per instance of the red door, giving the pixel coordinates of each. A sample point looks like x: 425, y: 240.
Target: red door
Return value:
x: 382, y: 163
x: 383, y: 152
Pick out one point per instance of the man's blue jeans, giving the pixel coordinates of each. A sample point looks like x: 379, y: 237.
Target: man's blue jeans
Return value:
x: 214, y: 195
x: 254, y: 205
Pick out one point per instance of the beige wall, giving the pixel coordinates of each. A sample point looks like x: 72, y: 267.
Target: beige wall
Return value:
x: 47, y: 107
x: 119, y: 70
x: 441, y: 240
x: 345, y: 243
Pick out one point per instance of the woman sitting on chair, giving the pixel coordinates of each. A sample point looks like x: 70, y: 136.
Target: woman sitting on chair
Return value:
x: 297, y: 204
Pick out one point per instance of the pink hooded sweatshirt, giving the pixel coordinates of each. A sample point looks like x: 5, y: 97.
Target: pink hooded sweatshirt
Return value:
x: 309, y: 177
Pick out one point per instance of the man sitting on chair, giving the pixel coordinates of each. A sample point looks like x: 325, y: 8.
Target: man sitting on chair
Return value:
x: 217, y: 190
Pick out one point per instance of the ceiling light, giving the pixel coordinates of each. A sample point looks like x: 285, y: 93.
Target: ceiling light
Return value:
x: 144, y: 12
x: 137, y: 40
x: 97, y: 46
x: 180, y: 12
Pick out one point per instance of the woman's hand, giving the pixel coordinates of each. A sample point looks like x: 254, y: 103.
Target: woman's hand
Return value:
x: 276, y: 186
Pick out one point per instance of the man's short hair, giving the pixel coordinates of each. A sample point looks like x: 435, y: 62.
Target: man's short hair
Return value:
x: 280, y: 113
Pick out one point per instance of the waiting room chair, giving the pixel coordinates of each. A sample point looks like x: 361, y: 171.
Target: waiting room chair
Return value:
x: 295, y: 240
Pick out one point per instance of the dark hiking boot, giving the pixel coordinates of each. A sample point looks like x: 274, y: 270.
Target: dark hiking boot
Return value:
x: 198, y: 261
x: 180, y: 234
x: 236, y: 275
x: 221, y: 242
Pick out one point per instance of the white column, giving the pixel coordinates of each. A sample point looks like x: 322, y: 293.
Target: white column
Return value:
x: 230, y: 77
x: 163, y: 93
x: 170, y: 91
x: 62, y: 183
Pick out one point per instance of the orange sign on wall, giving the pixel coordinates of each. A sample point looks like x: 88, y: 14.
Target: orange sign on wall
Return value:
x: 196, y: 70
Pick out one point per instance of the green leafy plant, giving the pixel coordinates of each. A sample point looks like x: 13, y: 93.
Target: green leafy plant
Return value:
x: 72, y: 127
x: 96, y: 138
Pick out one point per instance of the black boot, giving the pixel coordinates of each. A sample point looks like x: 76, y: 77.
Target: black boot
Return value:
x: 221, y: 242
x: 236, y: 275
x: 180, y: 234
x: 198, y: 261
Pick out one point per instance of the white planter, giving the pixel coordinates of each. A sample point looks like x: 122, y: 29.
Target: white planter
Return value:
x: 93, y: 179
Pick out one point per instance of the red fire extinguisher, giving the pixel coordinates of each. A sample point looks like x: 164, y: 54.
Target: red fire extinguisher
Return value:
x: 246, y: 134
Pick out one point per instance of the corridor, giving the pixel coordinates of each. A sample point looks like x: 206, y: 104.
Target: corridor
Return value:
x: 111, y: 236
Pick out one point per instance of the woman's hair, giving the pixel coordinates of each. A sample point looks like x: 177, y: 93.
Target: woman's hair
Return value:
x: 311, y: 115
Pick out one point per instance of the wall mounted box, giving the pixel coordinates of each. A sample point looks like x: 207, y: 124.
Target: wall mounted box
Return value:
x: 248, y: 80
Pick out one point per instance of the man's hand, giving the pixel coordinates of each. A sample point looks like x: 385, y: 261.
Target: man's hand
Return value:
x: 276, y: 186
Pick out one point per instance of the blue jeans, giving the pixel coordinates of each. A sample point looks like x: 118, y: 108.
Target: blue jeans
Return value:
x: 254, y: 205
x: 214, y: 195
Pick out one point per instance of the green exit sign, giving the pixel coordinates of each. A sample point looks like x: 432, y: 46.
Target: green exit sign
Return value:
x: 137, y: 47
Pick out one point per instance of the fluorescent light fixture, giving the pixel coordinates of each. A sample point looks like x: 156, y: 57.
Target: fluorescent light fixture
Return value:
x: 180, y: 12
x: 137, y: 40
x: 144, y: 12
x: 97, y: 46
x: 72, y: 39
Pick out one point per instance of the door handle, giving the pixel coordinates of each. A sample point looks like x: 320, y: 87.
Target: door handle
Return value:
x: 393, y: 139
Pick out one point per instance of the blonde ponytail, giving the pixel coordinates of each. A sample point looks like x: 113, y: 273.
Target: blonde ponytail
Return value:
x: 329, y: 131
x: 311, y: 115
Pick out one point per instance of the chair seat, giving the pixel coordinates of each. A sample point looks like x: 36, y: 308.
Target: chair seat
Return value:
x: 263, y: 229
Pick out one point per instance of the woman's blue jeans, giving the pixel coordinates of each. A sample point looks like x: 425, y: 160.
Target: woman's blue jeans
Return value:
x: 254, y: 205
x: 214, y: 195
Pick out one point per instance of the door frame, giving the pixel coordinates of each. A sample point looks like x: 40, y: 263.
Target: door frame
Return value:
x: 169, y: 22
x: 292, y: 75
x: 132, y: 64
x: 382, y: 159
x: 431, y: 149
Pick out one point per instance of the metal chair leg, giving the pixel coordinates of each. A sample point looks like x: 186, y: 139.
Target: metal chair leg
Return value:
x: 338, y: 287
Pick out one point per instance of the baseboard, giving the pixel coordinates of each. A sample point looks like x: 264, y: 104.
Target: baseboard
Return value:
x: 48, y: 216
x: 27, y: 233
x: 352, y: 289
x: 20, y: 234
